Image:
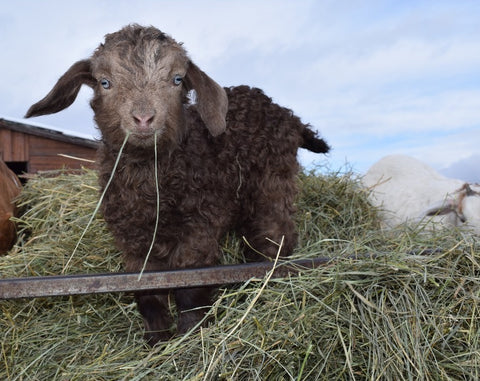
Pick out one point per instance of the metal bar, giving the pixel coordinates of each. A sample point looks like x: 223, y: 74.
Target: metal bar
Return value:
x: 35, y: 287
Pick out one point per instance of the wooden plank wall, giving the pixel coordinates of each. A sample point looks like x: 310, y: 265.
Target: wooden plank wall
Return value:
x: 42, y: 154
x: 45, y: 155
x: 14, y: 145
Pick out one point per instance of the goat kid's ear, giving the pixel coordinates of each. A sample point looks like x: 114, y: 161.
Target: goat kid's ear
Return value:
x: 212, y: 101
x: 65, y: 90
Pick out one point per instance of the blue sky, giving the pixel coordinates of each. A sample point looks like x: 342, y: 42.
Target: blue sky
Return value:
x: 374, y: 77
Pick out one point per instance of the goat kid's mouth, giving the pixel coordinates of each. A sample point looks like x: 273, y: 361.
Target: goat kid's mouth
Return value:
x: 144, y: 132
x: 143, y: 136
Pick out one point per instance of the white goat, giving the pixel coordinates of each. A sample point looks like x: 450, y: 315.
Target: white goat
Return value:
x: 409, y: 191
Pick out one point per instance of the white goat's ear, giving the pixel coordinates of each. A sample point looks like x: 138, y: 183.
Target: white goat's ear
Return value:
x: 65, y: 90
x: 211, y: 99
x: 442, y: 208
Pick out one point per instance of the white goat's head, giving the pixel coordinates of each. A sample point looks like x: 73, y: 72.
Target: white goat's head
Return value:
x: 470, y: 206
x: 464, y: 207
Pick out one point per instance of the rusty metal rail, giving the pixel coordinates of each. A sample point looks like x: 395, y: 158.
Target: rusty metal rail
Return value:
x: 34, y: 287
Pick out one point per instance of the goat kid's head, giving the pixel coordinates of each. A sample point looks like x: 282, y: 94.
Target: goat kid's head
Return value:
x: 140, y: 78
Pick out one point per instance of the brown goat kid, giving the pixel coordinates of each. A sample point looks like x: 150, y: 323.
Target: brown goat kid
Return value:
x: 225, y: 163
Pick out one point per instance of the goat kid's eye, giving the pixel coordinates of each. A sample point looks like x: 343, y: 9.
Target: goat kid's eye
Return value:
x: 177, y: 80
x: 105, y: 83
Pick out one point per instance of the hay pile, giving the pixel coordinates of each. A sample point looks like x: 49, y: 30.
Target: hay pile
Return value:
x: 381, y: 311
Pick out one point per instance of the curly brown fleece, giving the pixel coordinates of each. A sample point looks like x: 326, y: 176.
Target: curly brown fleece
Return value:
x: 227, y: 163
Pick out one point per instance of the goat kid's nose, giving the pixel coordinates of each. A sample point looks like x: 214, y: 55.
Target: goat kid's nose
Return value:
x: 143, y: 120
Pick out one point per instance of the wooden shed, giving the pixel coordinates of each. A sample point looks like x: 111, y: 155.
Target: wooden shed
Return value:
x: 28, y: 148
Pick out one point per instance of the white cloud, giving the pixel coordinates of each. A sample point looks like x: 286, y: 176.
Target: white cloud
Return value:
x: 467, y: 169
x: 401, y: 113
x: 401, y: 61
x: 374, y: 77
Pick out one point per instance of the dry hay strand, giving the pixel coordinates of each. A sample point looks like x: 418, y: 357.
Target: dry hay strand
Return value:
x: 382, y: 310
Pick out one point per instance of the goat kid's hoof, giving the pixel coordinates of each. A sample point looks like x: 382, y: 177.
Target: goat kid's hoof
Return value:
x: 154, y: 337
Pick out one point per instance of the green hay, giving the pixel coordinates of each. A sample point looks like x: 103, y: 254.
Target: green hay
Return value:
x: 382, y: 311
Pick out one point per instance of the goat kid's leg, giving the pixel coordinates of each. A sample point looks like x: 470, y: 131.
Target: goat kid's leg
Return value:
x: 152, y: 305
x: 156, y: 316
x: 192, y: 305
x: 199, y: 250
x: 265, y: 232
x: 269, y: 214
